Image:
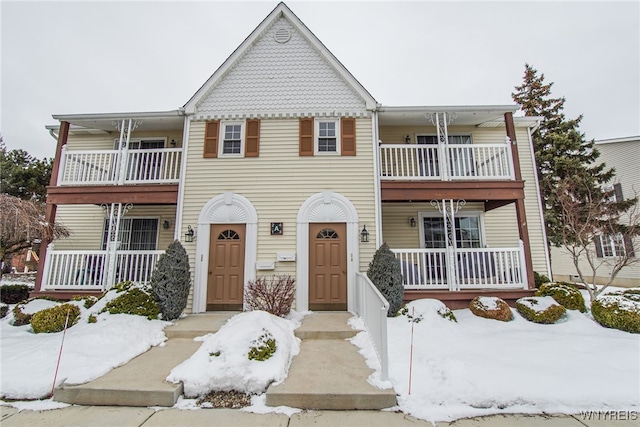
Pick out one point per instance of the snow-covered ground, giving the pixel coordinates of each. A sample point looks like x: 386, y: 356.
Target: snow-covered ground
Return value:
x: 474, y: 366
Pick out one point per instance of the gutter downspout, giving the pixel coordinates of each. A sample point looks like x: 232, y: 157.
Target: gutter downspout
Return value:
x: 177, y: 232
x: 376, y: 178
x: 53, y: 134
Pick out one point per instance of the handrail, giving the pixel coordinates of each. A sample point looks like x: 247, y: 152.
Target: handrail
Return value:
x: 372, y: 307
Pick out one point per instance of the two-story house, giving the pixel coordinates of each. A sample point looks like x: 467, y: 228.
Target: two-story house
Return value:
x: 622, y: 154
x: 283, y: 163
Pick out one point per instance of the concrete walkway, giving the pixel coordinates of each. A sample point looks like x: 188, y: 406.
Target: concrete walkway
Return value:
x: 99, y: 416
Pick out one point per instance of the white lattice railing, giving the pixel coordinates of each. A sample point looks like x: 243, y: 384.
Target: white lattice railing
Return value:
x: 372, y: 307
x: 468, y: 268
x: 88, y: 270
x: 93, y: 167
x: 446, y: 162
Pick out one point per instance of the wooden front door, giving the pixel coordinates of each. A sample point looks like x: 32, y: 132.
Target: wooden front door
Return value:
x: 327, y: 266
x: 225, y: 282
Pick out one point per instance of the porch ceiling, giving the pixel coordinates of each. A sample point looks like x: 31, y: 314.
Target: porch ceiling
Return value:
x: 149, y: 121
x: 464, y: 115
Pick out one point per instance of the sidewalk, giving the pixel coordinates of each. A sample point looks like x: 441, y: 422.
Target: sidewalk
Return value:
x: 99, y: 416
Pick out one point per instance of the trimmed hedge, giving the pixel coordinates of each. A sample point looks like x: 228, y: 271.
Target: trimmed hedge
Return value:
x: 13, y: 294
x: 542, y: 310
x: 565, y: 294
x: 385, y: 273
x: 491, y: 308
x: 618, y: 310
x: 53, y: 319
x: 133, y: 301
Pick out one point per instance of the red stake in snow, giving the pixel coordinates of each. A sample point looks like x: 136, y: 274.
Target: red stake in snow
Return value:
x: 64, y: 332
x: 413, y: 317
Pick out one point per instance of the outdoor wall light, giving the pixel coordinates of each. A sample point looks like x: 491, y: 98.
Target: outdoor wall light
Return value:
x: 189, y: 235
x: 166, y: 224
x: 407, y: 139
x: 174, y: 143
x: 364, y: 234
x: 412, y: 222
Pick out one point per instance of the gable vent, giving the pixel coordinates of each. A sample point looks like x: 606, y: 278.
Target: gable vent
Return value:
x: 282, y: 35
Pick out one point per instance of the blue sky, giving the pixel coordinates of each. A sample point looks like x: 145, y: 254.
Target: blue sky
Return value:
x: 117, y: 56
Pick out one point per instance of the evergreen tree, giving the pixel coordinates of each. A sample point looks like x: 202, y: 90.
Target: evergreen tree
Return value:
x: 22, y: 175
x: 384, y: 272
x: 561, y: 151
x: 171, y: 281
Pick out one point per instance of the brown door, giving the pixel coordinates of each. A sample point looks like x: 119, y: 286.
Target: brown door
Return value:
x: 225, y: 283
x: 327, y: 267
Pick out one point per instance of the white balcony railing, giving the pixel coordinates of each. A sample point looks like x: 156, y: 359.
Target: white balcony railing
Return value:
x: 446, y: 162
x: 92, y: 167
x: 372, y: 307
x: 468, y: 268
x: 87, y: 270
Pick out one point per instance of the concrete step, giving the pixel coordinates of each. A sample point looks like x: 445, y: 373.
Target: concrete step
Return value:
x: 196, y: 325
x: 329, y: 374
x: 326, y: 325
x: 140, y: 382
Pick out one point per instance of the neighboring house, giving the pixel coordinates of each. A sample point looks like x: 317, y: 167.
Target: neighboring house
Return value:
x: 623, y: 154
x: 282, y: 163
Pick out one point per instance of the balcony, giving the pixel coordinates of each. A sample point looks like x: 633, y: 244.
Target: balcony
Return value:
x: 462, y: 268
x: 120, y: 167
x: 96, y: 270
x: 446, y: 162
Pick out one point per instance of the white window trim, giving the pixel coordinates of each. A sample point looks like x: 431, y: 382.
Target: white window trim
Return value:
x: 150, y: 138
x: 607, y: 241
x: 463, y: 213
x: 316, y: 137
x: 223, y: 125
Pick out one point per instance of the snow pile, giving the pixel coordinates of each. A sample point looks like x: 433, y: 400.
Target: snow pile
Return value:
x: 222, y: 362
x: 479, y: 366
x: 90, y: 349
x: 538, y: 304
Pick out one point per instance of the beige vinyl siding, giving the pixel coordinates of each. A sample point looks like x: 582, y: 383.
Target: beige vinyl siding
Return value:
x: 106, y: 141
x: 278, y: 182
x: 86, y: 223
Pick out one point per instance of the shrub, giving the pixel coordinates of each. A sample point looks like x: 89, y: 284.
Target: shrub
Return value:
x: 53, y: 319
x: 13, y: 294
x: 565, y: 294
x: 273, y: 294
x: 133, y: 301
x: 385, y: 273
x: 447, y: 314
x: 171, y: 281
x: 89, y: 301
x: 618, y: 310
x: 4, y: 309
x: 263, y: 348
x: 20, y: 318
x: 92, y: 318
x: 491, y: 308
x: 543, y: 310
x: 540, y: 279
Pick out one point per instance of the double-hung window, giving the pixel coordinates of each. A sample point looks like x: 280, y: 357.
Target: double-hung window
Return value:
x: 327, y: 136
x: 611, y: 245
x: 135, y: 234
x: 232, y: 139
x: 468, y: 232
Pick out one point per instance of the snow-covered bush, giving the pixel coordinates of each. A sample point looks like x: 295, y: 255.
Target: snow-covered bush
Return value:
x: 618, y: 310
x: 13, y: 294
x: 491, y: 308
x: 273, y: 294
x: 87, y: 301
x: 565, y: 294
x: 53, y: 319
x: 23, y: 312
x: 428, y: 309
x: 222, y: 363
x: 540, y: 279
x: 171, y: 280
x: 385, y: 273
x: 4, y: 309
x: 263, y: 348
x: 134, y: 300
x: 543, y: 310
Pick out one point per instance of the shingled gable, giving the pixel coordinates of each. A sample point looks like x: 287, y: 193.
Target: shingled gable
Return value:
x: 280, y: 70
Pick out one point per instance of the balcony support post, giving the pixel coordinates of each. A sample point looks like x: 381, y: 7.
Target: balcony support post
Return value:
x: 50, y: 213
x: 521, y: 215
